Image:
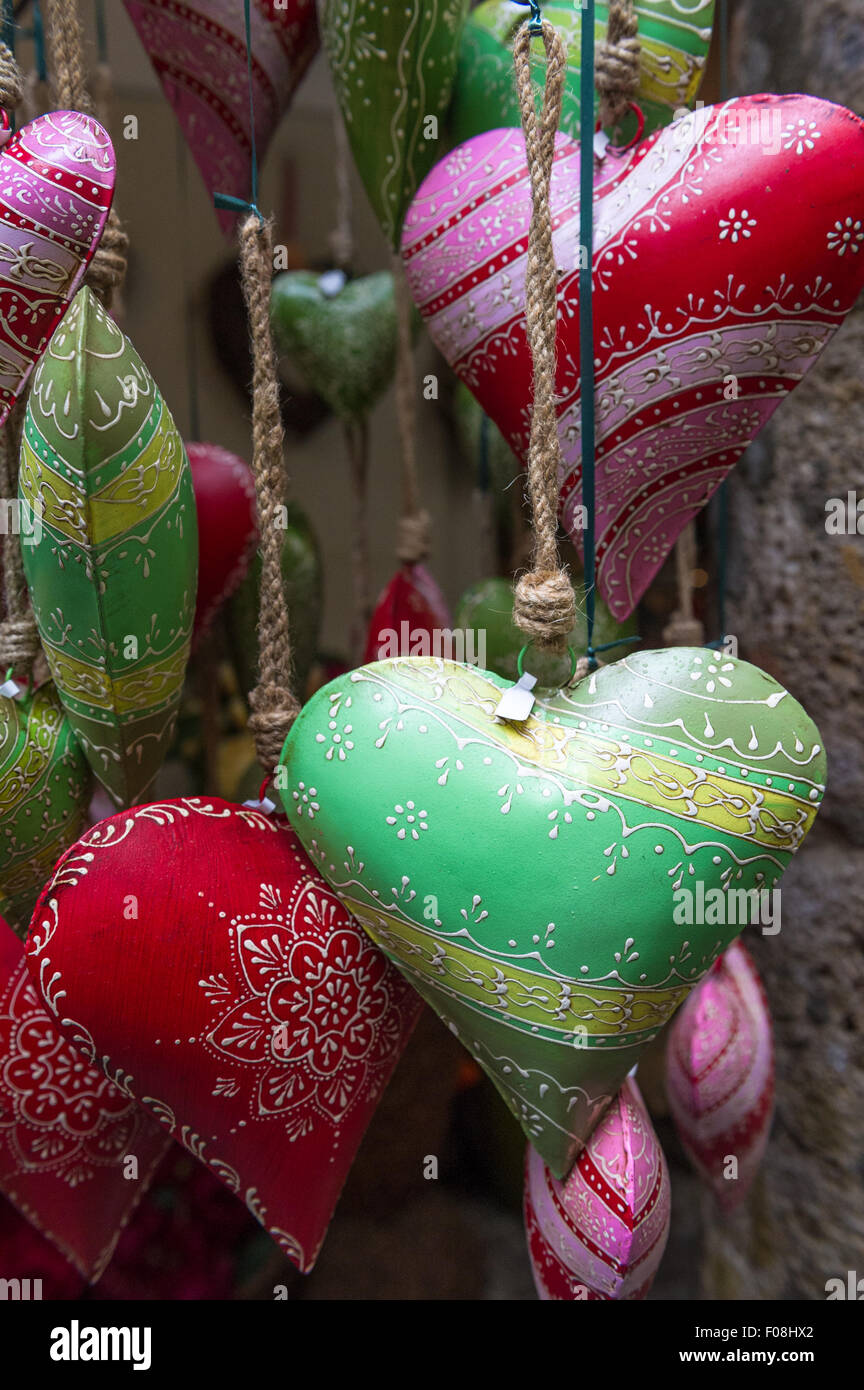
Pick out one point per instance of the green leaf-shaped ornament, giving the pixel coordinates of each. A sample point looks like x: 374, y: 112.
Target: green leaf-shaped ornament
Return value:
x: 674, y: 40
x: 113, y: 574
x: 393, y: 68
x: 45, y: 786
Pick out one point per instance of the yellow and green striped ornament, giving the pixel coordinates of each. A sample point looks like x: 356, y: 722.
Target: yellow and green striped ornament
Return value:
x: 113, y: 577
x: 45, y: 786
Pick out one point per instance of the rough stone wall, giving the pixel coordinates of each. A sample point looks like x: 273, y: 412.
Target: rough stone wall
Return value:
x: 797, y: 604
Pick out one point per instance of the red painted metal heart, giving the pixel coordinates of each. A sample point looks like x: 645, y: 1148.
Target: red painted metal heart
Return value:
x: 193, y: 948
x: 728, y: 249
x: 56, y: 187
x: 410, y: 610
x: 65, y: 1130
x: 720, y: 1075
x: 227, y: 526
x: 198, y: 50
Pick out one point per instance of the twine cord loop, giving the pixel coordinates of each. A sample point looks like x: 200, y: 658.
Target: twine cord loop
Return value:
x: 544, y: 604
x: 274, y: 706
x: 617, y: 62
x: 65, y: 46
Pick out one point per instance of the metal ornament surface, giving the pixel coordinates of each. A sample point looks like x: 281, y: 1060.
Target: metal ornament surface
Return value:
x: 523, y: 875
x: 113, y: 576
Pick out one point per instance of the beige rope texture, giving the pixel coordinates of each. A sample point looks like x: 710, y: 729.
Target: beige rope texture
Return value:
x: 65, y: 48
x: 273, y: 703
x: 413, y: 528
x: 684, y: 629
x: 544, y: 605
x: 616, y: 62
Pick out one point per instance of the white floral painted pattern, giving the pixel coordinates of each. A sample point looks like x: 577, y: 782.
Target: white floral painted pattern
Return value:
x: 736, y: 225
x: 413, y: 821
x: 801, y: 136
x: 846, y: 235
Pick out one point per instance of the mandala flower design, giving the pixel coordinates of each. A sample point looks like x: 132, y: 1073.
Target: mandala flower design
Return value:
x: 846, y: 235
x: 55, y: 1108
x: 315, y: 1015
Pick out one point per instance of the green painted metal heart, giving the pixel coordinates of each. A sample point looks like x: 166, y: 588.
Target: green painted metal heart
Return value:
x: 113, y: 576
x: 523, y: 875
x: 342, y: 344
x: 393, y: 68
x: 45, y: 786
x: 674, y: 49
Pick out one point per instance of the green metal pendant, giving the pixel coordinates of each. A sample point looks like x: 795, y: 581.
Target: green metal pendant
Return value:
x: 528, y: 877
x: 113, y: 577
x: 342, y: 344
x: 45, y: 787
x: 675, y: 40
x: 393, y: 68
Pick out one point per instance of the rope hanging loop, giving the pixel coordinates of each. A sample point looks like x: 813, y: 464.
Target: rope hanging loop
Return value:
x: 544, y: 605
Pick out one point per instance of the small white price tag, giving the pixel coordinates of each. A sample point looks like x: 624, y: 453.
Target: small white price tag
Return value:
x: 332, y: 282
x: 10, y: 689
x: 517, y: 702
x: 601, y: 145
x: 266, y: 807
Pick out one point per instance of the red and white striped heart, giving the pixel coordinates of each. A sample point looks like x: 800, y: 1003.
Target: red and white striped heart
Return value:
x: 242, y: 1004
x: 720, y: 1075
x: 728, y: 248
x: 56, y: 187
x: 198, y: 50
x: 600, y: 1235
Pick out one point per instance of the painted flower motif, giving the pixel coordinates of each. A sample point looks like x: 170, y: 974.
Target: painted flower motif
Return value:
x: 846, y: 235
x: 801, y: 136
x: 315, y: 1014
x: 340, y: 740
x: 304, y: 800
x: 713, y: 672
x: 736, y: 225
x: 409, y: 821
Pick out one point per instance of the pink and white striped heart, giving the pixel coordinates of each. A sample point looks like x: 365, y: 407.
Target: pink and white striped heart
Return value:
x: 600, y: 1235
x: 198, y: 50
x: 56, y: 187
x: 727, y: 251
x: 720, y: 1075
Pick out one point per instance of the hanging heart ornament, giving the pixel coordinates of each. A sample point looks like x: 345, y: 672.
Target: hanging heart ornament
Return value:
x: 198, y: 51
x: 233, y: 998
x: 761, y: 199
x: 522, y: 875
x: 56, y: 187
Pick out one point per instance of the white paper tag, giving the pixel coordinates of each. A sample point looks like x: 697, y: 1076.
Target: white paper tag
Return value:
x: 10, y: 689
x: 266, y: 807
x: 332, y: 282
x: 517, y: 702
x: 601, y: 144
